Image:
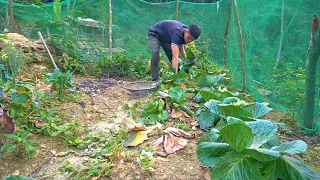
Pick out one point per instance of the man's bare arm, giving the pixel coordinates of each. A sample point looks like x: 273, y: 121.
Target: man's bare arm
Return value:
x: 175, y: 55
x: 182, y: 51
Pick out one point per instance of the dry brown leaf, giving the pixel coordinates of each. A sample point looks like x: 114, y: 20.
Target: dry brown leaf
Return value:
x: 178, y: 132
x: 185, y: 114
x: 4, y: 97
x: 173, y: 144
x: 135, y: 138
x: 107, y: 156
x: 175, y: 114
x: 184, y: 86
x: 38, y: 123
x: 156, y: 145
x: 8, y: 124
x: 133, y: 126
x: 183, y: 120
x: 95, y: 178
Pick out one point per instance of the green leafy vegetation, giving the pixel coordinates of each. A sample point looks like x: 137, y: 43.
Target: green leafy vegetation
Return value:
x: 19, y: 98
x: 16, y: 177
x: 214, y: 110
x: 19, y: 143
x: 10, y: 61
x: 245, y: 155
x: 176, y: 98
x: 2, y: 37
x: 154, y: 112
x: 60, y: 82
x: 122, y: 65
x: 91, y: 168
x: 107, y: 150
x: 145, y: 158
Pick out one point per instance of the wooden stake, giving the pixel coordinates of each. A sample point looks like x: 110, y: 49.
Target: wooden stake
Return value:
x: 14, y: 27
x: 110, y: 30
x: 177, y: 10
x: 241, y: 46
x: 225, y: 36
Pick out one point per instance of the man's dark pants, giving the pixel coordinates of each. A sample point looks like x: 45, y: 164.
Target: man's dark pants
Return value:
x: 155, y: 44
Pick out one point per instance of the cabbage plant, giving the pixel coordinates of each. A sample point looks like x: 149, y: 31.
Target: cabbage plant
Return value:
x: 248, y: 150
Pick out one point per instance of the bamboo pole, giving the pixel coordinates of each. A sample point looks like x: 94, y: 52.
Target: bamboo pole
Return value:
x: 281, y: 36
x: 47, y: 49
x: 110, y: 30
x: 14, y: 27
x: 226, y: 34
x: 241, y: 46
x: 177, y: 10
x: 313, y: 55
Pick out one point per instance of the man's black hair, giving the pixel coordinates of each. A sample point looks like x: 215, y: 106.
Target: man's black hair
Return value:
x: 194, y: 30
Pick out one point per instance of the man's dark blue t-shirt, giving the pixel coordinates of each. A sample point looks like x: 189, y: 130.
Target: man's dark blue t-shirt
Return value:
x: 169, y: 31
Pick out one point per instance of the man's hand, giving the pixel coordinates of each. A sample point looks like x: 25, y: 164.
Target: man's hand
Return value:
x: 175, y: 55
x: 182, y: 51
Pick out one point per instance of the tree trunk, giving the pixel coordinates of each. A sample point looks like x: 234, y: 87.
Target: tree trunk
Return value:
x: 312, y: 60
x: 177, y: 10
x: 281, y: 36
x: 14, y: 27
x: 241, y: 46
x: 110, y: 30
x: 226, y: 34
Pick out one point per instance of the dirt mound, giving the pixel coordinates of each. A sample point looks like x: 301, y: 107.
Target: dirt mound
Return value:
x: 22, y: 42
x: 33, y: 50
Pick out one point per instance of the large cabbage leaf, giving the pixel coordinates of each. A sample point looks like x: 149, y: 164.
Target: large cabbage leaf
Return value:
x: 289, y: 168
x: 210, y: 152
x: 236, y: 166
x: 238, y: 136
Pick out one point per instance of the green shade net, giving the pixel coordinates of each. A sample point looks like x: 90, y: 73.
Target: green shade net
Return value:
x: 281, y: 84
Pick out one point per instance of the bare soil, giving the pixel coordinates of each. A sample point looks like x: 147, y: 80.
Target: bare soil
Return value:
x: 100, y: 107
